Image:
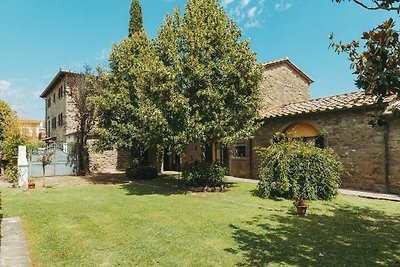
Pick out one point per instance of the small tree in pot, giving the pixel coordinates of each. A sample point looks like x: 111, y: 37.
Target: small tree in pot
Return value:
x: 46, y: 159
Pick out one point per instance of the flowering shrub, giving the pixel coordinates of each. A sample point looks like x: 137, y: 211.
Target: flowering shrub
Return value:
x: 298, y: 201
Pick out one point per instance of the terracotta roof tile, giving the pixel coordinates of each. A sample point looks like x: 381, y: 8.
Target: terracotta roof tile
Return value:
x: 337, y: 102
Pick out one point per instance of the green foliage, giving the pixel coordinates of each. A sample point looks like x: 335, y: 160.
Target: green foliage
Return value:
x: 196, y: 82
x: 31, y: 180
x: 11, y: 138
x: 291, y: 167
x: 204, y: 173
x: 130, y: 97
x: 136, y: 20
x: 141, y: 172
x: 377, y: 68
x: 46, y: 158
x: 213, y: 69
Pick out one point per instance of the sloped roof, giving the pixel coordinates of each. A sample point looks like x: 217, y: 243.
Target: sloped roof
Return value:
x: 324, y: 104
x: 59, y: 76
x: 290, y: 63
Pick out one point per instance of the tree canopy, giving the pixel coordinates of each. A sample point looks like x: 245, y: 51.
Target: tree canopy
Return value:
x: 196, y: 82
x: 377, y: 67
x: 136, y: 20
x: 214, y: 70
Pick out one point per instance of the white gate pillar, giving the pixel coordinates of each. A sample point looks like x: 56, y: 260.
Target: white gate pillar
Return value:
x: 23, y: 170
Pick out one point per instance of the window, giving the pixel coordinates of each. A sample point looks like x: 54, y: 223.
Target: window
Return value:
x: 60, y: 92
x: 54, y: 123
x: 60, y: 120
x: 239, y: 151
x: 48, y: 126
x: 54, y: 97
x: 49, y: 102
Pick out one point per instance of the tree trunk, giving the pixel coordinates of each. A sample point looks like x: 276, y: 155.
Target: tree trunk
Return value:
x: 44, y: 174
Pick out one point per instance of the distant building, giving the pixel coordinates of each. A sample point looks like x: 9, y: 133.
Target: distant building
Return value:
x: 60, y: 124
x: 34, y: 129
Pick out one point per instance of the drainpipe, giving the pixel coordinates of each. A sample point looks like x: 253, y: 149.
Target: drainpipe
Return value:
x: 386, y: 156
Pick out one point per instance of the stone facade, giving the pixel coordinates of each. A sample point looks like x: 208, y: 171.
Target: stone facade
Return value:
x: 109, y: 161
x: 60, y: 111
x: 359, y: 146
x: 55, y: 108
x: 283, y: 83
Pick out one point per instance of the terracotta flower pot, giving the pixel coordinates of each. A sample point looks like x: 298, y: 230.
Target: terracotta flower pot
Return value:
x: 301, y: 210
x: 31, y: 186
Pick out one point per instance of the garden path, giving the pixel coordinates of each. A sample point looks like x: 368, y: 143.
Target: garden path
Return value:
x: 13, y: 245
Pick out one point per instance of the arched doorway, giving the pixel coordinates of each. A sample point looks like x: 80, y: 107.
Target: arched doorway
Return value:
x: 305, y: 132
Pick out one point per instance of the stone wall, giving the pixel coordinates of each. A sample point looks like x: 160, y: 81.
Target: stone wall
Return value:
x: 359, y: 146
x: 281, y: 84
x: 109, y: 161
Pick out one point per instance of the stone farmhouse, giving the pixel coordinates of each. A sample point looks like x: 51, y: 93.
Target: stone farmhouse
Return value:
x: 371, y: 156
x: 61, y: 124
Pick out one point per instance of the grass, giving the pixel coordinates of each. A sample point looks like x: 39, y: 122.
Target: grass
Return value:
x: 128, y: 225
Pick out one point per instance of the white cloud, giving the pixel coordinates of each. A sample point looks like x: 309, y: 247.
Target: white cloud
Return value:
x: 244, y: 3
x: 4, y: 86
x: 252, y: 12
x: 283, y: 5
x: 224, y: 3
x: 252, y: 24
x: 246, y: 12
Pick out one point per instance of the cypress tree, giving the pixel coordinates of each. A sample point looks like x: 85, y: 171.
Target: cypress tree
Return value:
x: 136, y: 20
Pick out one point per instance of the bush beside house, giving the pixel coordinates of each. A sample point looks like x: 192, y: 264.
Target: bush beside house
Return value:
x: 204, y: 173
x: 291, y: 167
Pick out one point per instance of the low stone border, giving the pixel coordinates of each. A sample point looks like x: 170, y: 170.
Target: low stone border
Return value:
x: 208, y: 189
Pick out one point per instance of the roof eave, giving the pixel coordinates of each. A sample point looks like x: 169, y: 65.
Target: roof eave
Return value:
x: 56, y: 79
x: 305, y: 114
x: 290, y: 63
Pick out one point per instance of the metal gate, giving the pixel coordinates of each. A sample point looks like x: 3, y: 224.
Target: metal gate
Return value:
x: 63, y: 162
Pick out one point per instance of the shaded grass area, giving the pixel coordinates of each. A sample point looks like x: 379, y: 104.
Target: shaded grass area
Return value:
x: 155, y: 223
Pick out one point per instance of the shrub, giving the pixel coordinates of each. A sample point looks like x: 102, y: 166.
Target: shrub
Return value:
x: 291, y: 167
x: 204, y: 173
x: 141, y: 172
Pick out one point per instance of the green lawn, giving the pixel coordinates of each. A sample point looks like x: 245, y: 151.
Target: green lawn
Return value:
x: 138, y: 225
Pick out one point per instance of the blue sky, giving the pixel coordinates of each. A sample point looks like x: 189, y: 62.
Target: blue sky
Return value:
x: 37, y: 38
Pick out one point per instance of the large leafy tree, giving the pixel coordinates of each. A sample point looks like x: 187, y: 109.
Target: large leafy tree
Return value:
x: 118, y: 94
x: 213, y: 69
x: 377, y: 65
x: 130, y: 97
x: 197, y: 81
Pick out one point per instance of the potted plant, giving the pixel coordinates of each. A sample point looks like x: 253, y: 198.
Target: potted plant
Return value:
x: 300, y: 204
x: 31, y: 183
